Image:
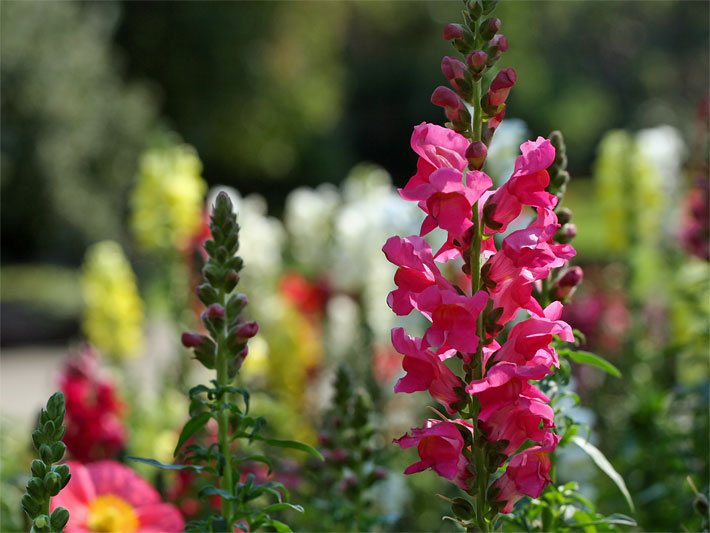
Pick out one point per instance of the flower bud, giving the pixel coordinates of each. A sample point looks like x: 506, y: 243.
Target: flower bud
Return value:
x: 496, y: 47
x: 566, y: 284
x: 499, y: 43
x: 489, y: 28
x: 243, y: 353
x: 449, y: 100
x: 476, y: 61
x: 214, y: 311
x: 564, y: 215
x: 452, y: 31
x: 191, y: 340
x: 500, y: 87
x: 453, y: 70
x: 566, y: 233
x: 476, y: 155
x: 247, y: 330
x: 231, y: 280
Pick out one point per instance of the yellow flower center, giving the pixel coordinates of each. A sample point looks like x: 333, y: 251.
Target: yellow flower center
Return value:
x: 111, y: 514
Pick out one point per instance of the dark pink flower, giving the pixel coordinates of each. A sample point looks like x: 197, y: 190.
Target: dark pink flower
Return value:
x: 447, y: 200
x: 109, y: 496
x: 526, y: 256
x: 437, y: 147
x: 425, y: 370
x: 527, y: 474
x: 453, y: 318
x: 529, y: 342
x: 511, y: 408
x: 417, y: 271
x: 525, y: 187
x: 440, y: 446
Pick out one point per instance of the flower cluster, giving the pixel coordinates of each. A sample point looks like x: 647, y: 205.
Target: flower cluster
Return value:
x: 167, y: 200
x: 505, y: 410
x: 94, y: 412
x: 113, y: 313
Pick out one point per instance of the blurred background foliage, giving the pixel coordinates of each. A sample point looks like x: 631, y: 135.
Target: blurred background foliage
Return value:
x: 280, y: 94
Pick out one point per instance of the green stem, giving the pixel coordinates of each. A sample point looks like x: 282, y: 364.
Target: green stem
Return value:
x: 227, y: 482
x: 482, y: 474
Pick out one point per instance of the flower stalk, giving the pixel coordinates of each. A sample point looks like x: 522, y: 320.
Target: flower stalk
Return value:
x: 495, y: 407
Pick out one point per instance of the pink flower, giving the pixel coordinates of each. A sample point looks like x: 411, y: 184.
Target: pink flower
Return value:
x: 453, y: 318
x: 109, y: 496
x: 440, y: 446
x: 511, y: 408
x: 417, y: 272
x: 526, y: 256
x: 448, y: 200
x: 527, y: 474
x: 525, y: 187
x: 425, y: 370
x: 437, y: 148
x: 529, y: 342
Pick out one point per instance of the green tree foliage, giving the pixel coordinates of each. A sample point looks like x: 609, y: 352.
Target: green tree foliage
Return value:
x: 71, y: 128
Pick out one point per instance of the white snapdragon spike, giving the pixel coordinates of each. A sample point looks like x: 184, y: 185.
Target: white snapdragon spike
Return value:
x: 262, y: 245
x: 308, y: 217
x: 504, y: 149
x: 372, y: 210
x: 342, y: 330
x: 663, y: 151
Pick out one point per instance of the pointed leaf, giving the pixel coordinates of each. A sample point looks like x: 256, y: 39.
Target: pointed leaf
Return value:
x: 280, y: 527
x: 605, y: 466
x: 293, y: 444
x: 193, y: 425
x: 589, y: 358
x: 281, y: 507
x: 164, y: 466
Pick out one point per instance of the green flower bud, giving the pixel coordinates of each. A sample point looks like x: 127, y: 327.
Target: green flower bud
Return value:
x: 39, y: 469
x: 59, y: 519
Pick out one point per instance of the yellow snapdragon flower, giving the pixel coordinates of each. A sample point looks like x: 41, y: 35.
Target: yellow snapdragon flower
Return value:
x: 113, y: 312
x: 168, y: 199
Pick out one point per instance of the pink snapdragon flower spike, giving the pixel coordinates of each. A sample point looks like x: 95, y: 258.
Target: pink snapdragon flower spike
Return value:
x: 109, y: 496
x: 491, y: 276
x: 440, y: 446
x: 527, y: 474
x: 417, y: 272
x: 425, y: 370
x: 437, y: 147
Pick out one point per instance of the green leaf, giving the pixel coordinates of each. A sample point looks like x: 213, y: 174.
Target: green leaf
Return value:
x: 588, y: 358
x: 281, y: 507
x: 605, y: 466
x: 256, y: 458
x: 616, y: 519
x: 214, y: 491
x: 293, y: 444
x: 164, y: 466
x: 280, y: 527
x: 193, y: 425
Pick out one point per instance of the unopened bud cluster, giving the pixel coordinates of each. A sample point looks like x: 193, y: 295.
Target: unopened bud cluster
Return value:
x: 481, y: 45
x: 222, y: 316
x: 48, y: 478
